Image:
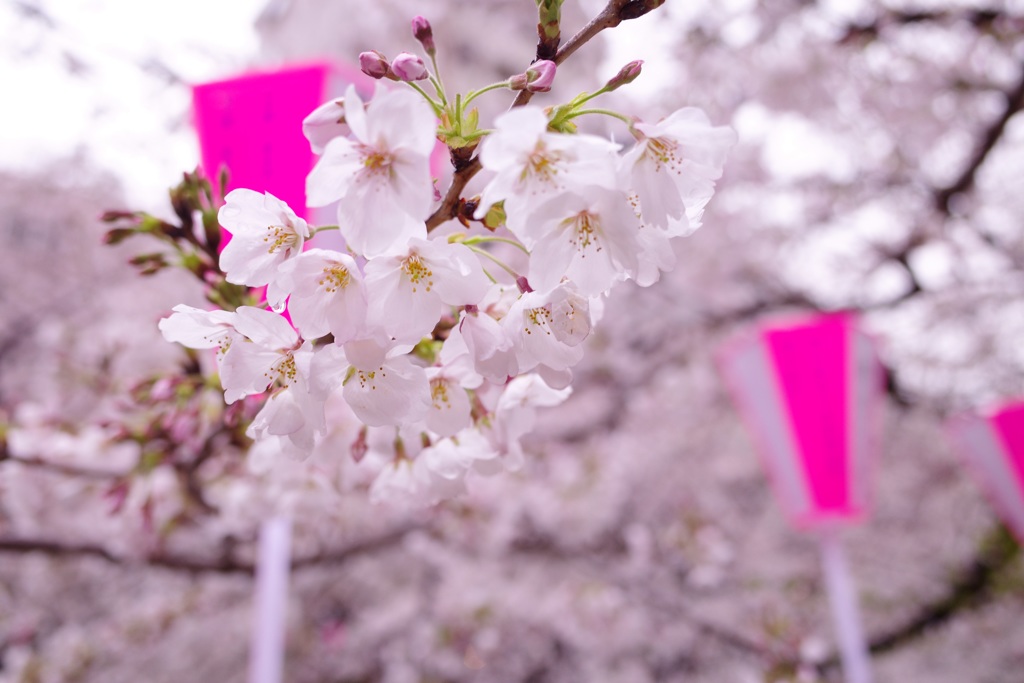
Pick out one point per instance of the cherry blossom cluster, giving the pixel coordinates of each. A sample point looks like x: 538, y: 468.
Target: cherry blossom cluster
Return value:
x: 440, y: 337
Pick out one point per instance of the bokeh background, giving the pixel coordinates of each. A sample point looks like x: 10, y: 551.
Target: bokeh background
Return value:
x: 880, y: 169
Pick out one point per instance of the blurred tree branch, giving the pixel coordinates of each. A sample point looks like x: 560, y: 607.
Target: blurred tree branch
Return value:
x: 228, y: 563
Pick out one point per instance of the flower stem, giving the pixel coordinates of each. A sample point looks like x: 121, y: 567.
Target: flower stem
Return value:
x: 475, y: 93
x: 502, y: 264
x: 433, y: 103
x: 471, y: 241
x: 607, y: 112
x: 436, y: 80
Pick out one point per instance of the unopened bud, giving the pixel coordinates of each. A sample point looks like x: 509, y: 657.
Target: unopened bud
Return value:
x: 538, y: 78
x: 422, y: 32
x: 111, y: 216
x: 409, y: 67
x: 373, y: 64
x: 359, y: 447
x: 117, y: 235
x: 627, y: 74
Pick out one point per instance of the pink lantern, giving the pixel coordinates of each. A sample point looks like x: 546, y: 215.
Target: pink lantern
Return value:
x: 253, y: 125
x: 810, y: 391
x: 992, y: 443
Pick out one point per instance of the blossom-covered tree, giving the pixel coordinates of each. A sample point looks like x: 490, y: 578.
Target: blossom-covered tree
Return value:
x: 634, y: 538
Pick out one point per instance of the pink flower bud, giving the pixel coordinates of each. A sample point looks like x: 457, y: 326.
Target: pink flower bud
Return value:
x: 373, y: 64
x: 409, y: 67
x: 422, y: 32
x: 627, y: 74
x: 538, y: 78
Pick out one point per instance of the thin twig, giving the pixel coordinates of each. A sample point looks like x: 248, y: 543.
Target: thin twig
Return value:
x: 614, y: 13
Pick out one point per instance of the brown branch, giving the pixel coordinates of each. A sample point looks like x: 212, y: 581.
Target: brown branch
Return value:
x: 972, y: 588
x: 226, y: 564
x: 1014, y: 100
x: 614, y: 13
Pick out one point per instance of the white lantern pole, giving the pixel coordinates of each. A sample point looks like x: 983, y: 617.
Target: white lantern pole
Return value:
x: 266, y: 654
x: 842, y: 598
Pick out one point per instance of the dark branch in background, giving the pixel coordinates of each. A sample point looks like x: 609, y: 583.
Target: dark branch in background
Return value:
x: 1014, y: 100
x: 226, y: 564
x: 982, y: 19
x: 973, y: 587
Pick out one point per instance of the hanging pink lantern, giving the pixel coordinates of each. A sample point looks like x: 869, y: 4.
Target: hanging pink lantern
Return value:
x: 992, y: 443
x: 809, y: 389
x: 253, y: 125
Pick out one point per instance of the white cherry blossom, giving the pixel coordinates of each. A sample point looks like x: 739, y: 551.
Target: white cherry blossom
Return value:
x: 199, y: 329
x: 268, y: 355
x: 291, y: 412
x: 531, y: 165
x: 589, y: 237
x: 546, y: 329
x: 265, y: 233
x: 410, y: 289
x: 380, y: 175
x: 515, y: 415
x: 327, y: 294
x: 450, y: 408
x: 674, y: 164
x: 382, y: 386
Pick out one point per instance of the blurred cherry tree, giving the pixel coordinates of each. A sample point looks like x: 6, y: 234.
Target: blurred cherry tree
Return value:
x: 878, y: 169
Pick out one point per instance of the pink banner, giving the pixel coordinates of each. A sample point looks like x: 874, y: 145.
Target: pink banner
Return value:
x: 810, y: 391
x: 993, y: 446
x: 253, y: 125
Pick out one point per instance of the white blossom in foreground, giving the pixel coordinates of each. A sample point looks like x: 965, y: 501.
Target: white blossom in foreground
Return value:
x: 265, y: 233
x: 199, y: 329
x: 265, y: 356
x: 327, y: 294
x: 515, y: 414
x: 450, y: 408
x: 589, y: 237
x: 291, y: 412
x: 531, y: 165
x: 382, y: 386
x: 547, y: 329
x: 409, y: 289
x: 673, y: 166
x: 380, y: 175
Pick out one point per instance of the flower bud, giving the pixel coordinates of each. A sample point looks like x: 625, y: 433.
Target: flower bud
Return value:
x: 118, y: 235
x: 627, y: 74
x: 538, y: 78
x: 373, y: 64
x: 409, y: 67
x: 422, y: 32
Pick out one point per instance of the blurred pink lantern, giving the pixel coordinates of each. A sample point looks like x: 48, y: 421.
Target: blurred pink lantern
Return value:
x: 992, y: 443
x: 253, y: 125
x: 810, y: 390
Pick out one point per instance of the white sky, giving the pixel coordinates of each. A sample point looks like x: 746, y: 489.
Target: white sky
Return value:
x: 108, y: 79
